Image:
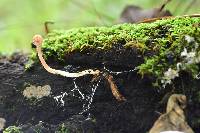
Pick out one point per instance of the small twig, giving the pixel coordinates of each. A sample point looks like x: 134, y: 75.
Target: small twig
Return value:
x: 163, y: 5
x: 167, y: 17
x: 160, y: 9
x: 46, y: 26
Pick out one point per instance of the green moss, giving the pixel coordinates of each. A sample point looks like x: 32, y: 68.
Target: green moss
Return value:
x: 12, y: 129
x: 164, y: 39
x: 62, y: 129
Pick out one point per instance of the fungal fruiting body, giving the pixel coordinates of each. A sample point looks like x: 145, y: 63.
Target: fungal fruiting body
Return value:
x: 37, y: 41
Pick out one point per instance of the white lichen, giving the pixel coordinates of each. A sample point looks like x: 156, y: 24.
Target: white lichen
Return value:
x: 169, y: 75
x: 189, y: 39
x: 197, y: 59
x: 180, y: 66
x: 2, y: 123
x: 37, y: 92
x: 188, y: 56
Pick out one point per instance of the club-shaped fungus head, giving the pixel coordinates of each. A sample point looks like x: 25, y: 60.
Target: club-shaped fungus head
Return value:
x: 37, y: 40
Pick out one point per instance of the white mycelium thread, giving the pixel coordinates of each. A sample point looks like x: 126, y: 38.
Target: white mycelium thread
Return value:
x: 59, y: 98
x: 88, y: 99
x: 119, y: 72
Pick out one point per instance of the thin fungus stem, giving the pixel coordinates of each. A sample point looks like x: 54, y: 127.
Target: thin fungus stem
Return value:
x: 37, y: 41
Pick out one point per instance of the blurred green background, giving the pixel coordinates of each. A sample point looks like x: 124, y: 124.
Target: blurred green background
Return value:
x: 20, y: 20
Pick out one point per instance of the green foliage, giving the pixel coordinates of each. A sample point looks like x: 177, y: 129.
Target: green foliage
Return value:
x: 62, y: 129
x: 12, y: 129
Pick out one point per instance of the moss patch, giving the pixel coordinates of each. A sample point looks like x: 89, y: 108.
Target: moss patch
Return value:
x: 12, y: 129
x: 161, y: 42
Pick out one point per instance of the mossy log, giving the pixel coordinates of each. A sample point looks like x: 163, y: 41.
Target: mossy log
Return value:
x: 152, y: 48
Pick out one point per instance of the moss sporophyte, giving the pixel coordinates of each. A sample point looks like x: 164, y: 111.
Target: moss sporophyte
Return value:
x: 173, y: 44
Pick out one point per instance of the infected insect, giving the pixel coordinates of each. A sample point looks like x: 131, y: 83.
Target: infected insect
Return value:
x: 37, y: 41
